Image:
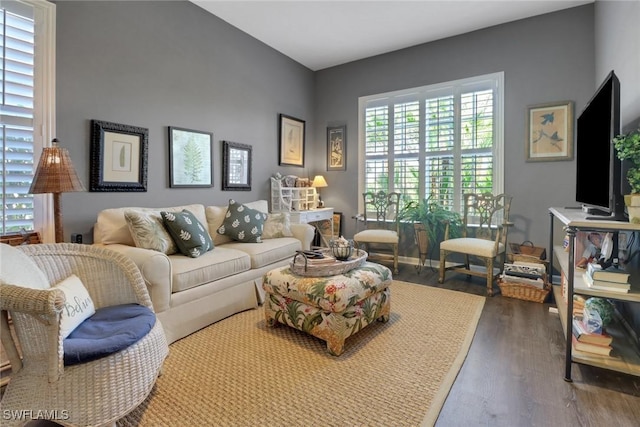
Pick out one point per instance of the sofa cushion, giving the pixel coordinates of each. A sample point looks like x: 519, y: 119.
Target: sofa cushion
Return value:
x: 269, y: 251
x: 213, y: 265
x: 111, y: 227
x: 191, y: 237
x: 148, y: 231
x: 242, y: 223
x: 277, y: 225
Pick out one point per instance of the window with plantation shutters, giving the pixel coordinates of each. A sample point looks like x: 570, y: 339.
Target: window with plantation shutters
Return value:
x: 22, y: 110
x: 438, y: 141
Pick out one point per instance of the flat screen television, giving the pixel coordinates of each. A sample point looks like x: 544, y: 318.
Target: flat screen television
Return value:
x: 600, y: 182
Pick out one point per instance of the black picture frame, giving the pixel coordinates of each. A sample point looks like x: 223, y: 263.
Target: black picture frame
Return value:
x: 236, y: 166
x: 292, y: 140
x: 337, y: 148
x: 190, y: 158
x: 118, y: 157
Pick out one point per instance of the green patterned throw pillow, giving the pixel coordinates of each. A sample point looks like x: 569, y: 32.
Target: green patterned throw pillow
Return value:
x: 190, y: 235
x: 242, y: 223
x: 148, y: 231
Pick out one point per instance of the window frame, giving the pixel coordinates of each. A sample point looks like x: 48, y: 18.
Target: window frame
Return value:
x: 44, y: 103
x: 389, y: 99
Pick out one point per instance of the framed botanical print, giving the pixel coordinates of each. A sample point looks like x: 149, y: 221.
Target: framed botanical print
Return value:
x: 118, y: 157
x: 337, y: 148
x: 550, y: 132
x: 190, y: 158
x: 291, y: 145
x: 236, y: 166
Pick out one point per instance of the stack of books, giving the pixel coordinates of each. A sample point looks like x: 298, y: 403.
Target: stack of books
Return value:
x: 611, y: 279
x: 590, y: 342
x: 578, y: 305
x: 526, y: 273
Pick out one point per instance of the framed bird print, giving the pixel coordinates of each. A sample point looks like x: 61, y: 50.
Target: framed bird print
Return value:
x: 550, y: 132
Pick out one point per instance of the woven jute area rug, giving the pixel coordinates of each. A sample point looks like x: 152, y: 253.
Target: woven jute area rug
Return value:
x: 239, y: 372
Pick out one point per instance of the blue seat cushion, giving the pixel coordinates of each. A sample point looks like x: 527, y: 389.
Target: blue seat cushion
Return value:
x: 108, y: 331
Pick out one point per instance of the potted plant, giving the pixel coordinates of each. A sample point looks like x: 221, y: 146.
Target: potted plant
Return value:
x: 430, y: 219
x: 628, y: 148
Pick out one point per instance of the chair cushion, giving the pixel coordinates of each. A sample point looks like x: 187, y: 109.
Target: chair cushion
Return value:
x: 471, y: 246
x: 108, y: 331
x: 376, y: 236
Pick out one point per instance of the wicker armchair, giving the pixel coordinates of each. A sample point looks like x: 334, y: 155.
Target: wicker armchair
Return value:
x: 92, y: 393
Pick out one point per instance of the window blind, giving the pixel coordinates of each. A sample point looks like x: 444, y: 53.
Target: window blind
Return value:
x: 17, y: 36
x: 438, y: 141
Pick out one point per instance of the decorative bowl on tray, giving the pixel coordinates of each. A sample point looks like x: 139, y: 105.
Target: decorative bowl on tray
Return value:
x: 341, y: 248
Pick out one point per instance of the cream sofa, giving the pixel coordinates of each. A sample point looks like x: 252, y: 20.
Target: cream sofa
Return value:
x: 191, y: 293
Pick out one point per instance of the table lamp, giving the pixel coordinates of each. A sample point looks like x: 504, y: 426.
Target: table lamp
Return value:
x: 56, y: 174
x: 319, y: 182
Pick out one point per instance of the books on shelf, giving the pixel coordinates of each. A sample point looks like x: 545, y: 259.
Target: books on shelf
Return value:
x: 609, y: 274
x: 602, y: 350
x: 583, y: 336
x: 603, y: 285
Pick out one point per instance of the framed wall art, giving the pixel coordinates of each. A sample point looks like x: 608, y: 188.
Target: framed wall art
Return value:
x: 337, y: 148
x: 236, y: 166
x: 291, y: 147
x: 550, y: 132
x: 324, y: 231
x: 190, y: 158
x: 118, y: 157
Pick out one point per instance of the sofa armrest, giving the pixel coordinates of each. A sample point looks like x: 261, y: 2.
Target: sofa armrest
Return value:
x: 156, y: 271
x: 304, y: 233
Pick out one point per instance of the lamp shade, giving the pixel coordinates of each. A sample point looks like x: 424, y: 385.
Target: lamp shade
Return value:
x: 55, y: 172
x: 319, y: 181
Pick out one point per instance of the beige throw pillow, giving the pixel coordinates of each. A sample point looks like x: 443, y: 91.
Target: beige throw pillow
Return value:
x: 149, y: 232
x: 277, y: 225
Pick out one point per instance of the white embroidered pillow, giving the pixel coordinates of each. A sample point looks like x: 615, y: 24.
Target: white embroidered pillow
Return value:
x: 277, y: 225
x: 78, y: 306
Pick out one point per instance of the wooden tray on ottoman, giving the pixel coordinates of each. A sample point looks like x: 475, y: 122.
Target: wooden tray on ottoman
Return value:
x: 303, y: 266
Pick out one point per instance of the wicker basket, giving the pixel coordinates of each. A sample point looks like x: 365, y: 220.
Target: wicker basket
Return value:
x: 301, y: 266
x: 523, y: 291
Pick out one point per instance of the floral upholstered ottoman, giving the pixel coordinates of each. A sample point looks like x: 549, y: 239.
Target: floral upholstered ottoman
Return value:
x: 331, y: 308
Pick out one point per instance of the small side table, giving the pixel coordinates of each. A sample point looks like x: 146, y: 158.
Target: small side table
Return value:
x: 314, y: 217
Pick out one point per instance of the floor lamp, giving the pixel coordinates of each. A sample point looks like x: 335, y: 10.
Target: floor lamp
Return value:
x: 56, y: 174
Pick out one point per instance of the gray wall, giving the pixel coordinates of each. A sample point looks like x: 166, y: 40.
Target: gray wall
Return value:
x: 617, y: 47
x: 545, y: 59
x: 156, y: 64
x: 159, y: 64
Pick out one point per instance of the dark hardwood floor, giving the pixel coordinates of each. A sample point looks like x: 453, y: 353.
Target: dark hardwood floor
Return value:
x: 513, y: 374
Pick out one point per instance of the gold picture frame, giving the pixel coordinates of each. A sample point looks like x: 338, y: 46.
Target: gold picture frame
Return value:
x: 550, y: 132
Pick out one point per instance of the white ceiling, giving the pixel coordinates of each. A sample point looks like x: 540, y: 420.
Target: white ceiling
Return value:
x: 324, y: 33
